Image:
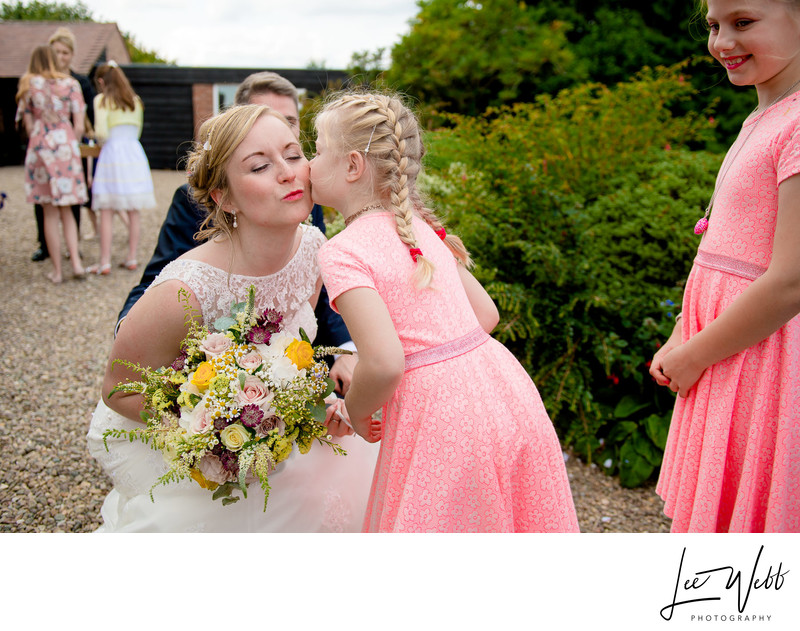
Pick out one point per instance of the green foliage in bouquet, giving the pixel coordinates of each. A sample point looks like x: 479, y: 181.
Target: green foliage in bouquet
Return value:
x: 231, y: 407
x: 579, y: 212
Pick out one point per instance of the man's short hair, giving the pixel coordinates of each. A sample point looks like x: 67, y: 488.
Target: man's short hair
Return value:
x: 261, y: 82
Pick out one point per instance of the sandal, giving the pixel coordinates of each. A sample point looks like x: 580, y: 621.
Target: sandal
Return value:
x: 129, y: 265
x: 100, y: 270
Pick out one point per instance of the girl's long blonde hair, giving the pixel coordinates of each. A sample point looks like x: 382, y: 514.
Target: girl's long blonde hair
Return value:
x: 42, y: 63
x: 355, y: 121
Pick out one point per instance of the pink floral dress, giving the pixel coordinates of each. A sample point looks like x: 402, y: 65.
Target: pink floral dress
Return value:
x: 467, y: 444
x: 732, y: 461
x: 53, y: 170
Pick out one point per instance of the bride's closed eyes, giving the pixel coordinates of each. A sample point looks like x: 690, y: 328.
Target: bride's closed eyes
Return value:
x: 293, y: 157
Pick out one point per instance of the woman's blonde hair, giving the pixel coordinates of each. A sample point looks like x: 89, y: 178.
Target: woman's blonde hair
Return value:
x: 219, y: 137
x: 42, y: 63
x: 388, y: 134
x: 63, y: 36
x: 117, y: 90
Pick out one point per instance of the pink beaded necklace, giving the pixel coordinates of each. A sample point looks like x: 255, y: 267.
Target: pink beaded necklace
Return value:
x: 702, y: 224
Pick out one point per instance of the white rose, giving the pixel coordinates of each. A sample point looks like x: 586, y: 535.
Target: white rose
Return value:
x: 282, y: 371
x: 234, y: 436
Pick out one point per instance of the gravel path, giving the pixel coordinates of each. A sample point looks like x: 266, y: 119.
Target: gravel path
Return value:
x: 52, y: 368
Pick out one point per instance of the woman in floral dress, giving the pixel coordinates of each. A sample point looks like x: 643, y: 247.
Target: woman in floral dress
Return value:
x: 51, y: 107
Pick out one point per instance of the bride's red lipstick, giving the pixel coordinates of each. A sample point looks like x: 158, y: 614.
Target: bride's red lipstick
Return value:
x: 294, y: 196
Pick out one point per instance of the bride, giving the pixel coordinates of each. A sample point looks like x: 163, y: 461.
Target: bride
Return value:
x: 250, y: 173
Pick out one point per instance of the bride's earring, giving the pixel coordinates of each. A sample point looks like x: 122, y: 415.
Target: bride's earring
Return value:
x: 235, y: 225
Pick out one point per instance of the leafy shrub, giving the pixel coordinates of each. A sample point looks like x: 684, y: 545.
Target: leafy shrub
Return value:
x: 579, y: 212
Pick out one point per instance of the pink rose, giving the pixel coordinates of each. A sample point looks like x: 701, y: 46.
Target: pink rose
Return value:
x: 215, y: 344
x: 251, y: 361
x: 200, y: 420
x: 254, y: 392
x: 269, y: 423
x: 211, y: 468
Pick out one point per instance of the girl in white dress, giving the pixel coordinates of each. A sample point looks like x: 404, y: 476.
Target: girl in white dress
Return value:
x: 250, y: 173
x: 122, y: 182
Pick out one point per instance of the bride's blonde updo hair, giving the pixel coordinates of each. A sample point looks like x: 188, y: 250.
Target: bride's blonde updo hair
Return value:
x: 219, y: 137
x: 388, y: 134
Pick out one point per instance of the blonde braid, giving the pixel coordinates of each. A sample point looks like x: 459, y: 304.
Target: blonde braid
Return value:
x: 453, y: 242
x: 382, y: 124
x: 400, y: 187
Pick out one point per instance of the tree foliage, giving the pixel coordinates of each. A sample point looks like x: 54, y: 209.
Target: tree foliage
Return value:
x: 578, y: 210
x: 462, y: 56
x: 465, y: 56
x: 55, y: 11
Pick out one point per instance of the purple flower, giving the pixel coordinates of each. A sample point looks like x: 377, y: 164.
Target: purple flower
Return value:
x: 180, y: 361
x: 258, y: 335
x: 273, y: 317
x: 230, y: 461
x: 251, y: 415
x: 221, y: 423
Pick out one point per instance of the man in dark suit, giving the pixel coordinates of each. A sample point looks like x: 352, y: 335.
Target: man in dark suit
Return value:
x: 184, y: 218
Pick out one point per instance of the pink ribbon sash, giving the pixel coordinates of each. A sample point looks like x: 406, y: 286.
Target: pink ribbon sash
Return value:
x: 451, y: 349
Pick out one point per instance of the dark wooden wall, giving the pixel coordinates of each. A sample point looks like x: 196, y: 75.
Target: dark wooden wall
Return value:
x: 168, y: 116
x: 12, y: 145
x: 167, y: 95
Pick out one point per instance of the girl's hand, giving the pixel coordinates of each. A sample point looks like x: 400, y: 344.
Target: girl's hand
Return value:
x: 656, y: 365
x: 370, y: 429
x: 681, y: 370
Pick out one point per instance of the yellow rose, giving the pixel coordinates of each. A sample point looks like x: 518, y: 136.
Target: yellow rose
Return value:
x: 202, y: 480
x: 203, y: 375
x: 234, y: 436
x: 300, y: 353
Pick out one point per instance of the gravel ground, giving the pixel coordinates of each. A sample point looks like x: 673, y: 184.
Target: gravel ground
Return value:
x: 52, y: 370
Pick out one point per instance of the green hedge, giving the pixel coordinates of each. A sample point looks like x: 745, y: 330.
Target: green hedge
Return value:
x: 579, y: 212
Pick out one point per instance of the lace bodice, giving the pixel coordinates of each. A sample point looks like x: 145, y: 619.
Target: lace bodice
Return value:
x: 287, y: 291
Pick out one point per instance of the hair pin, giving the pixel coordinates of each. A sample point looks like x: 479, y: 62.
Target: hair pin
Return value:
x: 112, y: 64
x: 370, y: 138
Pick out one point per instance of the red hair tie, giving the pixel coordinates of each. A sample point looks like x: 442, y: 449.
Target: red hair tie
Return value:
x: 415, y: 253
x: 442, y: 234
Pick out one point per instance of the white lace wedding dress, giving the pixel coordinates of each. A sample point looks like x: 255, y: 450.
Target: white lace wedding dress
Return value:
x: 314, y: 492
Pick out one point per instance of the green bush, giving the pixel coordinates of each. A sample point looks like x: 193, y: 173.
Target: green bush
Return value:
x: 578, y: 211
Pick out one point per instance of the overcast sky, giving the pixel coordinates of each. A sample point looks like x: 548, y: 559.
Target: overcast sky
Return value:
x: 258, y: 33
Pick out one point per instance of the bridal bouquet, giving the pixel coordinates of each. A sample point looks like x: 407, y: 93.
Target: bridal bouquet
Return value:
x: 233, y: 404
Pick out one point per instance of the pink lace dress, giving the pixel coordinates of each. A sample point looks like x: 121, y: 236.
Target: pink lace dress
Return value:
x: 467, y: 444
x: 732, y: 461
x: 53, y: 170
